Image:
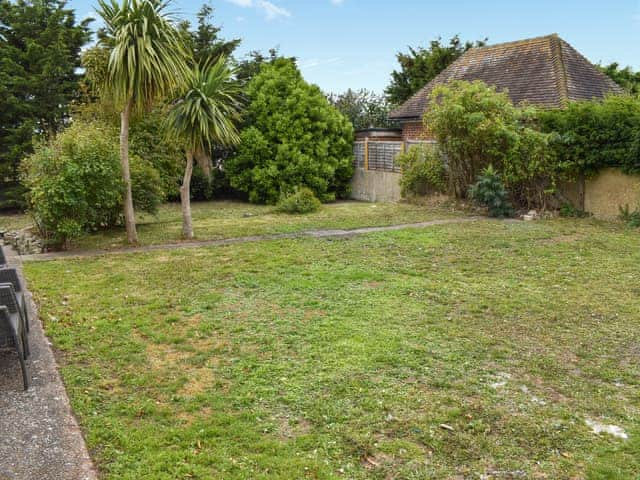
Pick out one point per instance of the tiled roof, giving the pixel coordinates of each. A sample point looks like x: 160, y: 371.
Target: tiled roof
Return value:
x: 543, y: 71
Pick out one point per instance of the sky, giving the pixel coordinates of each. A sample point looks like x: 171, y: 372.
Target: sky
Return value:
x: 343, y: 44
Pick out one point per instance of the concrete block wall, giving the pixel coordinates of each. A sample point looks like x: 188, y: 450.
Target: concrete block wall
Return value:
x: 375, y: 186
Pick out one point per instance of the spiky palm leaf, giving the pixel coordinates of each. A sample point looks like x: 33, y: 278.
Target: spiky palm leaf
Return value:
x: 147, y: 57
x: 204, y: 114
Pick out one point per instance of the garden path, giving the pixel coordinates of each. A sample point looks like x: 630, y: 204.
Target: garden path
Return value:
x: 328, y: 233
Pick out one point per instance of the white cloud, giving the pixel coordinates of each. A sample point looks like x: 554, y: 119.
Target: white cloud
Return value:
x: 312, y: 63
x: 337, y: 2
x: 270, y: 10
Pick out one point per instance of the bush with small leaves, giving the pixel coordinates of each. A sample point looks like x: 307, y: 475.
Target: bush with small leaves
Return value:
x: 423, y: 171
x: 302, y: 200
x: 75, y: 184
x: 489, y: 192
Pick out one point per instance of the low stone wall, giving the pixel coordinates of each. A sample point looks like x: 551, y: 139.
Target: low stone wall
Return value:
x: 23, y: 241
x: 611, y: 189
x: 375, y: 186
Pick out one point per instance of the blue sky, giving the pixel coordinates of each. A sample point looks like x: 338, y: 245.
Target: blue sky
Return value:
x: 344, y: 44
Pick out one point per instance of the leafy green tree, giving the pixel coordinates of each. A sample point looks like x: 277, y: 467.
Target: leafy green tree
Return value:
x: 295, y: 138
x: 40, y: 42
x: 476, y: 126
x: 625, y: 77
x: 147, y: 61
x: 205, y: 42
x: 420, y: 65
x: 202, y: 116
x: 252, y: 63
x: 364, y: 108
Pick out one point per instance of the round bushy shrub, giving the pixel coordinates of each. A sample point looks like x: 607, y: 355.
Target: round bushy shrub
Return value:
x: 423, y: 171
x: 302, y: 200
x: 294, y: 137
x: 75, y: 183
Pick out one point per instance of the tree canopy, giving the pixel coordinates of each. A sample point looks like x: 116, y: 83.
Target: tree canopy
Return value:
x: 420, y: 65
x: 364, y: 108
x: 205, y: 42
x: 625, y: 77
x: 40, y: 42
x: 294, y: 138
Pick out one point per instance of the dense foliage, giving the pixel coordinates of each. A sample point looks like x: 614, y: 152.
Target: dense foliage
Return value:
x: 301, y: 200
x: 593, y: 135
x: 148, y: 140
x: 421, y: 65
x: 476, y: 126
x: 423, y: 171
x: 364, y: 108
x: 295, y: 138
x: 625, y: 77
x: 75, y: 184
x: 489, y: 191
x: 40, y: 42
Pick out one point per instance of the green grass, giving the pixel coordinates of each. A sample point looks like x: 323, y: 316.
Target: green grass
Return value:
x: 14, y: 221
x: 341, y: 358
x: 227, y: 219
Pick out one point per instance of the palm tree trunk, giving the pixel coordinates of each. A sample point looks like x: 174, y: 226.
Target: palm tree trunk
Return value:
x: 129, y: 215
x: 185, y: 198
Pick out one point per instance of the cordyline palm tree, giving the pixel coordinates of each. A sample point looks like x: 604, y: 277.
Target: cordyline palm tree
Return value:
x: 147, y: 61
x: 201, y: 117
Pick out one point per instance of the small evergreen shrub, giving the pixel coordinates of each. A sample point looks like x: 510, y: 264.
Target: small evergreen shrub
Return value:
x: 489, y: 191
x: 302, y: 200
x: 569, y: 211
x: 632, y: 219
x: 423, y: 171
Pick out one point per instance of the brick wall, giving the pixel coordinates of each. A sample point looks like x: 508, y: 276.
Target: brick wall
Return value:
x: 414, y: 131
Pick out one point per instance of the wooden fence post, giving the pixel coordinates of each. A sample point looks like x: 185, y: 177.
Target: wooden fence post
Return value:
x: 366, y: 154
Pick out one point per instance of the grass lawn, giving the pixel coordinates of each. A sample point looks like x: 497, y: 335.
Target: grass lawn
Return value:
x: 449, y: 352
x: 14, y: 221
x: 226, y: 219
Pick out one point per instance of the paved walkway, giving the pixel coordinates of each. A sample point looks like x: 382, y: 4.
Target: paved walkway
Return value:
x: 39, y: 437
x: 229, y: 241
